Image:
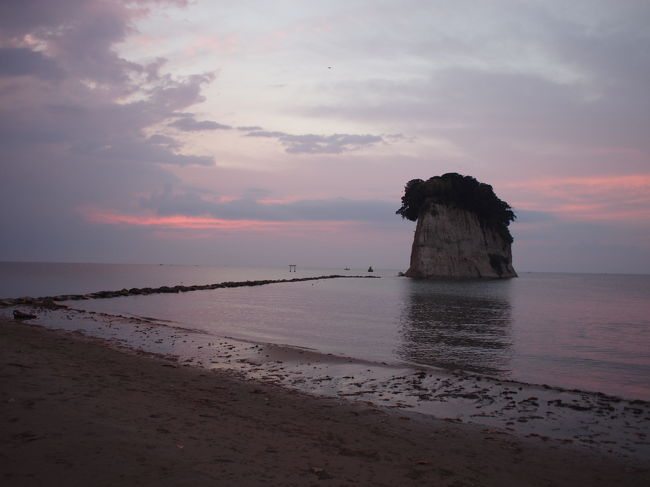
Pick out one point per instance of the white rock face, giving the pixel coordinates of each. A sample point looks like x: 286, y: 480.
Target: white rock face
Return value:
x: 451, y: 244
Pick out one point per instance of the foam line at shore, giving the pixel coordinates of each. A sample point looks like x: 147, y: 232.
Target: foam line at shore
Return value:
x: 601, y: 422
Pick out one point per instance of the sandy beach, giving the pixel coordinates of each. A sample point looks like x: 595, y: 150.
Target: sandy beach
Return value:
x: 76, y: 411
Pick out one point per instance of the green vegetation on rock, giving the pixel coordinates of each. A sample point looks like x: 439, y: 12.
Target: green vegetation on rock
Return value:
x: 457, y: 191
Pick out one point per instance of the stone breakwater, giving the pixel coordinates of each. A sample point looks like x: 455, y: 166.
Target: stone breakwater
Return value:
x: 51, y: 301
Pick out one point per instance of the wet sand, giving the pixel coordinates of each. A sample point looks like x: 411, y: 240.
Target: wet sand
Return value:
x: 604, y: 423
x: 77, y: 411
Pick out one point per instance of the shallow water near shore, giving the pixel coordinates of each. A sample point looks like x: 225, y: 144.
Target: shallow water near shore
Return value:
x: 603, y: 423
x: 588, y: 332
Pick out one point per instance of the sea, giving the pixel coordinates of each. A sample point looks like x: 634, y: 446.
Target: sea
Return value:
x: 577, y: 331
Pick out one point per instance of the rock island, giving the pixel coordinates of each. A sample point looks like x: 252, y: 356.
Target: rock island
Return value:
x: 462, y: 229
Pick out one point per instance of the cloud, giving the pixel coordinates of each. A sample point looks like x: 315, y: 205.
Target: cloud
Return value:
x: 267, y: 133
x: 188, y: 124
x: 320, y: 144
x: 80, y: 124
x: 530, y: 92
x: 200, y: 223
x: 25, y: 62
x: 16, y: 18
x: 532, y: 216
x: 136, y: 149
x: 589, y: 198
x: 191, y: 203
x: 568, y: 246
x: 78, y: 91
x: 527, y: 79
x: 165, y: 141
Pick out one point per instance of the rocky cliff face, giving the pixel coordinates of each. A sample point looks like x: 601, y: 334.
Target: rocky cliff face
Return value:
x: 452, y: 243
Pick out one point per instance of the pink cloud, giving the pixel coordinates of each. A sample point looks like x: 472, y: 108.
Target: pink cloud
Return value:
x: 198, y: 223
x: 620, y: 197
x: 602, y: 182
x: 278, y: 201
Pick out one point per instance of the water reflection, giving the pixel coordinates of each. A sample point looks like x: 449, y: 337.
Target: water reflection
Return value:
x: 458, y: 325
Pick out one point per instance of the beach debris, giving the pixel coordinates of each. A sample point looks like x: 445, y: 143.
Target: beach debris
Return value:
x: 20, y: 315
x: 22, y: 366
x: 320, y: 473
x: 27, y: 436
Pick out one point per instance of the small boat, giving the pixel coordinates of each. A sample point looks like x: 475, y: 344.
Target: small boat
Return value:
x: 346, y: 269
x: 370, y: 269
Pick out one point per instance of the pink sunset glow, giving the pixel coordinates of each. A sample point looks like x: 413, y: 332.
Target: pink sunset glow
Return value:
x: 197, y: 223
x: 612, y: 198
x: 211, y: 133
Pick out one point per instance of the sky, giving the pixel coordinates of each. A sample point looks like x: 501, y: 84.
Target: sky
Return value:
x: 268, y: 133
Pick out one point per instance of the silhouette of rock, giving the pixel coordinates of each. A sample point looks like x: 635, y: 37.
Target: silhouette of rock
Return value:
x: 462, y: 229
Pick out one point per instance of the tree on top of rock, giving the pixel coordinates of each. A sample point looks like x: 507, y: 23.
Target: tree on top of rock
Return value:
x: 457, y: 191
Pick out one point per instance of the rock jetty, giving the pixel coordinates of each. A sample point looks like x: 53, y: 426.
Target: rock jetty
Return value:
x: 51, y: 302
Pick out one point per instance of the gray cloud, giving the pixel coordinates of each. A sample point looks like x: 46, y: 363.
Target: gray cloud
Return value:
x: 531, y: 216
x: 532, y: 74
x: 16, y: 18
x: 188, y: 124
x: 67, y: 144
x: 135, y: 149
x: 267, y: 133
x: 566, y: 246
x: 330, y: 209
x: 165, y: 141
x: 73, y: 106
x: 319, y: 144
x: 25, y: 62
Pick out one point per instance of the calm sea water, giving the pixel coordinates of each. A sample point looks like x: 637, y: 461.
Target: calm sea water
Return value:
x: 584, y: 331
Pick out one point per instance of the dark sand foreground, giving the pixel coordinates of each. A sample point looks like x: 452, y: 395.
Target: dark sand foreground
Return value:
x: 74, y: 411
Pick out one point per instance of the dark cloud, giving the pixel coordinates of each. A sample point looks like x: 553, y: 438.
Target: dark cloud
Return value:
x: 140, y: 150
x: 257, y: 193
x: 319, y: 144
x: 78, y: 109
x: 16, y: 18
x: 188, y: 124
x: 266, y: 133
x: 331, y: 209
x: 165, y: 141
x: 25, y: 62
x: 80, y: 34
x: 77, y: 123
x: 174, y: 94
